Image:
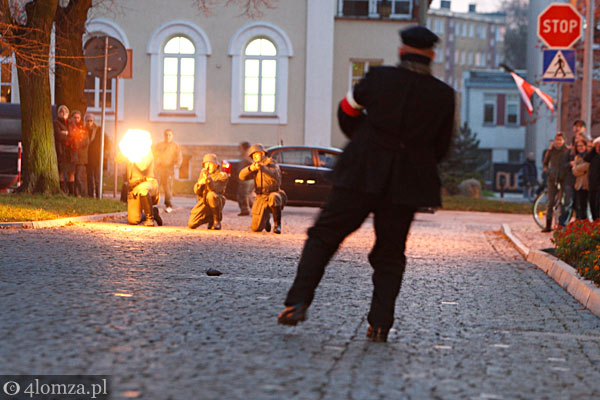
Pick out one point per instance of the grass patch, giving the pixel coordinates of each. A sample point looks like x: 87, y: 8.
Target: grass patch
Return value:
x: 17, y: 207
x: 459, y: 203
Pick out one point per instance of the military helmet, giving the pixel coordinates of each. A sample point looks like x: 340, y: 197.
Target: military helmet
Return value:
x: 256, y: 148
x: 210, y: 157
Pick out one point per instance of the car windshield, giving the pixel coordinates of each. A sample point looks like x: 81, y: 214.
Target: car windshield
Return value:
x: 296, y: 157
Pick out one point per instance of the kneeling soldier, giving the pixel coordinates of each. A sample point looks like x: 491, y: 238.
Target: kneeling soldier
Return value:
x: 143, y: 192
x: 210, y: 190
x: 267, y: 181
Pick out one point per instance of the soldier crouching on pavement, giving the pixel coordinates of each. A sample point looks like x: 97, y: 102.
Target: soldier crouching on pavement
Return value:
x: 210, y: 190
x: 267, y: 182
x: 142, y: 193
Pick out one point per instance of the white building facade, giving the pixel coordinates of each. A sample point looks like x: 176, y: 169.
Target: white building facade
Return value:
x: 492, y: 108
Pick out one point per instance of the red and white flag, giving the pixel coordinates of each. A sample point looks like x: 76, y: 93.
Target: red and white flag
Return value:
x: 526, y: 90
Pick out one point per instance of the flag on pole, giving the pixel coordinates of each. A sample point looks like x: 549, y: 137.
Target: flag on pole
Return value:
x: 526, y: 90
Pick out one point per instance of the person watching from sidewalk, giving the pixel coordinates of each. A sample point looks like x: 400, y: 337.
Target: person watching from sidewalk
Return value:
x: 593, y: 157
x: 556, y: 165
x: 245, y: 188
x: 210, y: 189
x: 529, y: 173
x: 389, y: 168
x: 580, y: 129
x: 168, y: 157
x: 61, y: 143
x: 267, y: 184
x: 580, y: 169
x: 81, y: 143
x: 94, y: 154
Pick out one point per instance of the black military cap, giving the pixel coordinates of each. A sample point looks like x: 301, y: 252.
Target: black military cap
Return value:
x: 419, y: 37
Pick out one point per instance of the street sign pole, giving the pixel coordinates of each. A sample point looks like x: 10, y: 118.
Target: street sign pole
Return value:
x: 103, y: 120
x: 559, y: 108
x: 116, y: 165
x: 588, y: 60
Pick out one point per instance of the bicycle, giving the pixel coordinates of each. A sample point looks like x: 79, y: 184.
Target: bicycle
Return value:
x: 539, y: 208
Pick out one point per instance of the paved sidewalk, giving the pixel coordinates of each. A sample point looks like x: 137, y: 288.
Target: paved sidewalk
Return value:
x: 474, y: 320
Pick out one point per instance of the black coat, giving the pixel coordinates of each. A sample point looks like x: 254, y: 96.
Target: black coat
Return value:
x: 594, y: 172
x: 396, y: 145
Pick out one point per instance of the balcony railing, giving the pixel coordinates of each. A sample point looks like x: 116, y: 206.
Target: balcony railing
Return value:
x: 398, y: 9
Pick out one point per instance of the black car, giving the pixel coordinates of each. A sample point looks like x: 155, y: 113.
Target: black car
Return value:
x: 304, y: 171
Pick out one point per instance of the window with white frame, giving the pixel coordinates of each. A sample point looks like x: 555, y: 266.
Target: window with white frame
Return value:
x: 477, y: 59
x: 463, y: 57
x: 457, y: 29
x: 93, y: 94
x: 178, y: 52
x: 178, y: 81
x: 456, y: 57
x: 500, y: 31
x: 471, y: 30
x: 470, y: 58
x: 260, y: 76
x: 489, y: 109
x: 359, y: 68
x: 512, y: 109
x: 6, y: 80
x: 399, y: 7
x: 464, y: 29
x: 260, y: 54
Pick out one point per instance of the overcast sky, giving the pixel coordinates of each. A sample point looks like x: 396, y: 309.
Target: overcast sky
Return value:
x: 463, y: 5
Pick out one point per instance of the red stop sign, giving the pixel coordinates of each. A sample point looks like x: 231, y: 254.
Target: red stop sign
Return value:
x: 559, y: 25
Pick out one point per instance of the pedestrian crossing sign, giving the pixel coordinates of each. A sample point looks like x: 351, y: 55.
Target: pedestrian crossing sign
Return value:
x: 559, y: 65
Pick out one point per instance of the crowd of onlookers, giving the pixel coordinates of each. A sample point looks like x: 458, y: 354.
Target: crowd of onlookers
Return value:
x: 573, y: 170
x: 78, y: 150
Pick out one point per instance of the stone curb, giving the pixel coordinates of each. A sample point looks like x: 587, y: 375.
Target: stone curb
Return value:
x: 62, y: 221
x: 584, y: 291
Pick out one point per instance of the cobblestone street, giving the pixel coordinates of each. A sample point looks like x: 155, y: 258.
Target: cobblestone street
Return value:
x: 473, y: 319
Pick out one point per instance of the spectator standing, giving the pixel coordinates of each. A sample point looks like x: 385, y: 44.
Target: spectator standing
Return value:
x: 556, y: 165
x: 81, y: 142
x: 529, y: 174
x: 593, y: 157
x: 580, y: 170
x: 168, y: 157
x: 245, y: 188
x: 61, y: 141
x: 94, y: 154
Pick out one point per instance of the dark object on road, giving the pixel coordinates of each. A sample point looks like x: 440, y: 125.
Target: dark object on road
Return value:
x: 305, y: 173
x: 213, y: 272
x: 377, y: 334
x: 156, y: 215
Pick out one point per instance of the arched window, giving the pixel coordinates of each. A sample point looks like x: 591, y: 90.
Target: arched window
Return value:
x: 260, y: 53
x: 178, y: 52
x: 260, y: 76
x: 178, y: 75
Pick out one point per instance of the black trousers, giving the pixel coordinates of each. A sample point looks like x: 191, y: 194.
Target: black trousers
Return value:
x: 345, y: 212
x: 581, y: 203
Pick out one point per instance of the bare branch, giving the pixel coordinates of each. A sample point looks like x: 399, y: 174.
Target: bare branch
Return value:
x: 250, y: 8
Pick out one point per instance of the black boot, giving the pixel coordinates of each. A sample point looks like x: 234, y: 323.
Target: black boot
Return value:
x: 147, y: 208
x: 276, y: 219
x: 548, y: 227
x: 217, y: 217
x: 157, y: 216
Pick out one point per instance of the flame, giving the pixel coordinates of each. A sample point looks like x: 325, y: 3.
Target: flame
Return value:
x: 136, y: 144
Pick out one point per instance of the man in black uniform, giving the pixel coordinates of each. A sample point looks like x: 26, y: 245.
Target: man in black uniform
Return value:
x: 389, y: 167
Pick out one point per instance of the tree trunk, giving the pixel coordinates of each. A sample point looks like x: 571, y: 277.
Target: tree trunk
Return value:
x: 40, y: 172
x: 71, y: 72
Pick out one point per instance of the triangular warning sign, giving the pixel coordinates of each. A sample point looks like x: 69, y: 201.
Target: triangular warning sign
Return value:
x: 559, y: 68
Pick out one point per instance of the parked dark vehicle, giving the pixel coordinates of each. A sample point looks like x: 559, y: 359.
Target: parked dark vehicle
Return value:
x: 304, y: 169
x: 10, y: 136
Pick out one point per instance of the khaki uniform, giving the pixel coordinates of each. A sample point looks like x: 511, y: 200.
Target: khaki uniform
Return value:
x: 142, y: 184
x: 168, y: 157
x: 267, y: 182
x: 211, y: 199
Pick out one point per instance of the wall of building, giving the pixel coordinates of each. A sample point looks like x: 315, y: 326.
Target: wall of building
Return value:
x: 360, y: 39
x: 140, y: 19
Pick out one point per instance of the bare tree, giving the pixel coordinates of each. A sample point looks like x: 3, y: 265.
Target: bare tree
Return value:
x: 26, y: 33
x: 250, y: 8
x: 515, y: 41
